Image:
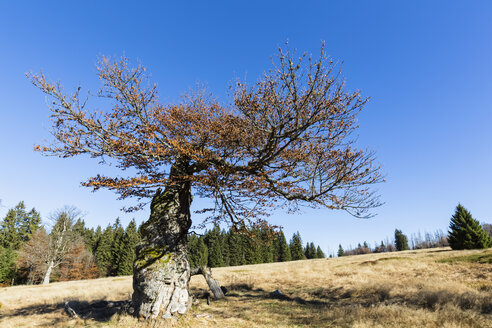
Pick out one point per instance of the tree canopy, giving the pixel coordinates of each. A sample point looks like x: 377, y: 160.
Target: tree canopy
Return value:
x: 287, y: 139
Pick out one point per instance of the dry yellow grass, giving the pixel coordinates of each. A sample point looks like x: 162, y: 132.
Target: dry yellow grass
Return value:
x: 404, y: 289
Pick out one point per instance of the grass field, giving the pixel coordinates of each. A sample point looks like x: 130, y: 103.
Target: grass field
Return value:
x: 426, y: 288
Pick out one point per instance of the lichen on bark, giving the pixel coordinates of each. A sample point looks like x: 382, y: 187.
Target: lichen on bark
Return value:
x: 161, y: 269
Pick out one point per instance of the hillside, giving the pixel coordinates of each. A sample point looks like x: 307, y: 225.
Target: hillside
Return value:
x: 426, y: 288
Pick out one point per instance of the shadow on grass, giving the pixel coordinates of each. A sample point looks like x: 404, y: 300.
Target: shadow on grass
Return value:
x: 340, y: 297
x: 101, y: 311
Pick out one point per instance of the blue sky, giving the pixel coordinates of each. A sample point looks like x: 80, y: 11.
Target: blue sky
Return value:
x: 425, y: 64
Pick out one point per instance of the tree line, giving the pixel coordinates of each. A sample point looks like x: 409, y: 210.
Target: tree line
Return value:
x: 464, y: 233
x: 29, y: 254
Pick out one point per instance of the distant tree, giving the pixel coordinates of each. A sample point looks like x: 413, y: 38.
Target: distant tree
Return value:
x: 198, y: 252
x: 319, y: 253
x: 214, y: 245
x: 465, y: 232
x: 310, y: 251
x: 340, y: 252
x: 34, y: 258
x: 117, y: 247
x: 86, y: 233
x: 296, y: 250
x: 488, y: 229
x: 284, y: 250
x: 62, y: 240
x: 103, y: 251
x: 7, y: 265
x: 236, y: 248
x: 18, y: 225
x: 401, y: 241
x: 266, y: 237
x: 78, y: 263
x: 129, y: 241
x: 381, y: 248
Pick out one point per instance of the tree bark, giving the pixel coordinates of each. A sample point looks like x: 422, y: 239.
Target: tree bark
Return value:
x: 213, y: 284
x: 47, y: 275
x: 161, y: 270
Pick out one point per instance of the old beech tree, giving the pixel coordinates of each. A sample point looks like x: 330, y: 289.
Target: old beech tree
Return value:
x: 284, y: 141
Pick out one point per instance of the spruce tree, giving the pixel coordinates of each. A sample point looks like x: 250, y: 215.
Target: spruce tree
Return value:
x: 310, y: 251
x: 252, y: 253
x: 465, y: 232
x: 116, y: 247
x: 319, y: 253
x: 266, y: 237
x: 284, y: 250
x: 340, y: 252
x: 197, y: 251
x: 103, y: 252
x: 7, y: 265
x: 214, y: 245
x: 401, y: 241
x: 236, y: 248
x: 129, y: 243
x: 296, y: 250
x: 18, y: 225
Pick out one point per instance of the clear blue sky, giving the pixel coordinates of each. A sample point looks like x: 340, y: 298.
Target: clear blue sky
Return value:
x: 425, y: 64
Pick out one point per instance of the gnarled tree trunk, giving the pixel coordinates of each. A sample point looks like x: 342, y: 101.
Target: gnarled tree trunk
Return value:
x: 161, y: 271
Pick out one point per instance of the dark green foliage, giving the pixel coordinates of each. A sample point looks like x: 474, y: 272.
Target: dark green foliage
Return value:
x: 197, y: 251
x: 465, y: 232
x: 401, y: 241
x: 296, y: 251
x: 251, y: 248
x: 18, y: 225
x: 113, y: 248
x: 266, y: 245
x: 7, y: 265
x: 86, y: 233
x: 310, y: 251
x: 284, y: 250
x: 103, y: 251
x: 128, y: 243
x: 236, y: 243
x: 340, y: 252
x: 214, y: 245
x: 117, y: 247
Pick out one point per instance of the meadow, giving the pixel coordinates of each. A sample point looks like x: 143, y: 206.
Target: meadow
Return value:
x: 425, y: 288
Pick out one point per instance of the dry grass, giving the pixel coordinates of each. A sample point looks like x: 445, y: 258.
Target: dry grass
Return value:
x: 428, y: 288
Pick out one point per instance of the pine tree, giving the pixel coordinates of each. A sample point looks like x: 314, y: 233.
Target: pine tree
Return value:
x: 296, y: 250
x: 310, y: 251
x: 401, y: 241
x: 129, y: 242
x: 18, y: 225
x: 224, y: 246
x: 319, y: 253
x: 465, y: 232
x: 7, y: 265
x: 236, y: 248
x: 116, y: 247
x: 197, y: 252
x: 340, y: 252
x: 214, y: 245
x: 266, y: 237
x: 103, y: 251
x: 86, y: 233
x: 252, y: 253
x: 284, y: 250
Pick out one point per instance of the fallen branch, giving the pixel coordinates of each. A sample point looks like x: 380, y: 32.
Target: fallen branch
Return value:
x: 212, y: 283
x: 71, y: 312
